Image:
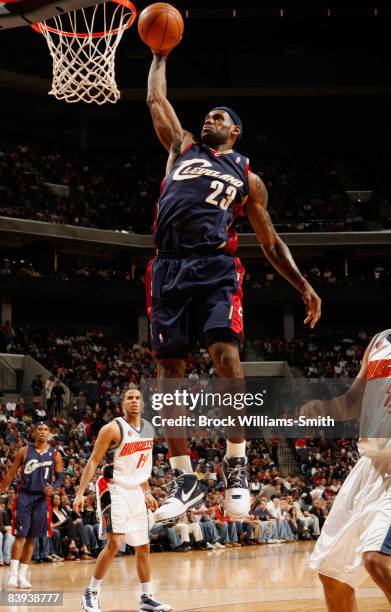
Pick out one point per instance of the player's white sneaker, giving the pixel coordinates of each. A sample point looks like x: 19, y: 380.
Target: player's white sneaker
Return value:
x: 23, y: 583
x: 149, y: 604
x: 12, y: 582
x: 237, y: 494
x: 218, y: 545
x: 90, y: 601
x: 186, y: 492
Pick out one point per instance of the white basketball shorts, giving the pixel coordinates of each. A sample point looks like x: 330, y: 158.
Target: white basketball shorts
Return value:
x: 122, y: 511
x: 359, y: 522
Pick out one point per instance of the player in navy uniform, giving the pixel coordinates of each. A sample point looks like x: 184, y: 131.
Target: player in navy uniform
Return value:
x: 194, y: 284
x: 41, y: 474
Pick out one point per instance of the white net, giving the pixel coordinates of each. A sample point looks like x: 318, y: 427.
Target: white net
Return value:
x: 83, y: 44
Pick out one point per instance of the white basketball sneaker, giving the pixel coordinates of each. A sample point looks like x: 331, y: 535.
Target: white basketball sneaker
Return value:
x: 149, y: 604
x: 90, y: 601
x: 12, y: 582
x: 23, y: 583
x: 237, y: 494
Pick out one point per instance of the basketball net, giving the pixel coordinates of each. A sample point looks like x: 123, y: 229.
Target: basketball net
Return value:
x: 83, y: 44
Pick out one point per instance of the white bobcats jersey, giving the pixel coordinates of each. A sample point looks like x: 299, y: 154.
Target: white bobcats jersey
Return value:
x: 375, y: 421
x: 130, y: 463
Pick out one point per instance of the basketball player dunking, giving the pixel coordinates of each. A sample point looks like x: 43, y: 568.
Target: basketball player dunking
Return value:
x: 194, y: 284
x: 123, y: 496
x: 31, y: 511
x: 356, y: 537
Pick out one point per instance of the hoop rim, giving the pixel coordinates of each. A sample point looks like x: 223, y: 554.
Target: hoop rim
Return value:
x: 41, y: 27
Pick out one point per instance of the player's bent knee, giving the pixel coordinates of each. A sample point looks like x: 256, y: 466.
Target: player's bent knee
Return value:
x: 229, y: 363
x: 171, y: 368
x: 332, y: 585
x: 114, y: 543
x: 374, y: 562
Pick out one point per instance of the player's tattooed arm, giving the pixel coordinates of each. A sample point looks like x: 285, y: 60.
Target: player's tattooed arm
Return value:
x: 166, y: 123
x: 9, y: 477
x: 275, y: 249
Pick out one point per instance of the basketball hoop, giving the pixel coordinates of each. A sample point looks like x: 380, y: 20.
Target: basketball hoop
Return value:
x: 83, y: 44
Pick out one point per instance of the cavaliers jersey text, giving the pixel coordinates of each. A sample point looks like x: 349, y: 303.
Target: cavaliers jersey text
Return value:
x: 37, y: 469
x: 375, y: 420
x: 201, y: 198
x: 130, y: 463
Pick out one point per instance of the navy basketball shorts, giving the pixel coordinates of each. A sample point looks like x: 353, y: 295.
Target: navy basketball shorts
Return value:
x: 193, y: 298
x: 31, y: 515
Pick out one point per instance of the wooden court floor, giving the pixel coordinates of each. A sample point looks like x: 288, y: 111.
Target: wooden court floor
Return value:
x: 250, y: 579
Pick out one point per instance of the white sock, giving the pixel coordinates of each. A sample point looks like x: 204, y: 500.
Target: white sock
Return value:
x: 182, y: 462
x: 95, y: 584
x: 146, y: 588
x: 236, y: 450
x: 23, y: 570
x: 14, y: 565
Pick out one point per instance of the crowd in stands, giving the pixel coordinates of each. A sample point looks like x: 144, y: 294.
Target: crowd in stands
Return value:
x: 119, y: 191
x: 285, y: 507
x: 317, y: 273
x: 100, y: 365
x: 319, y: 355
x: 24, y: 267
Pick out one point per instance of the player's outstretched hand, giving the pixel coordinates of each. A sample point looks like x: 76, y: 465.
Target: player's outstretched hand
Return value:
x: 313, y: 304
x: 78, y: 503
x: 312, y: 409
x: 151, y: 502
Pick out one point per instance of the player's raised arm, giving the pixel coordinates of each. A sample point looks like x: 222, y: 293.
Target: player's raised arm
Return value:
x: 9, y: 477
x: 166, y: 123
x: 275, y: 249
x: 107, y: 435
x: 347, y: 406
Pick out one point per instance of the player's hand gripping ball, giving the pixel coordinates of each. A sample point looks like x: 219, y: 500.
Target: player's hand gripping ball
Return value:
x: 160, y: 26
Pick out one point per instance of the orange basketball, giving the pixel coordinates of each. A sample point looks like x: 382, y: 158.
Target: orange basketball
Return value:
x: 160, y: 26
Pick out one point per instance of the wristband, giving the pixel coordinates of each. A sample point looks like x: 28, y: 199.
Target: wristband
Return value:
x: 147, y: 493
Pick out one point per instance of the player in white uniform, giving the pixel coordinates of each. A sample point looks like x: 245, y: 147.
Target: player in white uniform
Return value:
x: 123, y: 497
x: 356, y: 537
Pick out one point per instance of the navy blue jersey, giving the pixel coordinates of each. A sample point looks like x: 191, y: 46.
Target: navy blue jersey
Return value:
x: 37, y: 470
x: 201, y: 198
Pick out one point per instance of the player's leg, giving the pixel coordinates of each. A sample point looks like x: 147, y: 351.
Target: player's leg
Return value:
x: 90, y: 599
x: 25, y: 560
x: 138, y: 537
x: 378, y: 565
x: 179, y: 453
x: 226, y: 359
x: 169, y: 298
x: 186, y: 490
x: 340, y: 597
x: 16, y: 553
x: 22, y: 515
x: 39, y: 526
x: 222, y: 326
x: 143, y: 565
